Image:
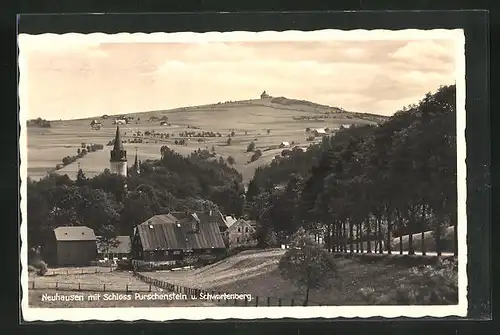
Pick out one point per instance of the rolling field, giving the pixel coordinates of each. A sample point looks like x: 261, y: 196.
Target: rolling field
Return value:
x: 257, y: 273
x: 250, y: 121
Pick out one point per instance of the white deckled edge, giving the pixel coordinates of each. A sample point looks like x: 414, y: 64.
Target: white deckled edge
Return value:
x: 219, y: 313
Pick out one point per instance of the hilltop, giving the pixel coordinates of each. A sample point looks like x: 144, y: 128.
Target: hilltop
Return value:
x: 277, y: 103
x: 266, y: 122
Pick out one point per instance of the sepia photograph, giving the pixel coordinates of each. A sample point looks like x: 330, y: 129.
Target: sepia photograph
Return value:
x: 243, y: 175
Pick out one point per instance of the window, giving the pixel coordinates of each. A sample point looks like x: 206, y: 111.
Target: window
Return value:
x: 177, y: 252
x: 237, y: 240
x: 246, y: 229
x: 239, y: 230
x: 165, y: 252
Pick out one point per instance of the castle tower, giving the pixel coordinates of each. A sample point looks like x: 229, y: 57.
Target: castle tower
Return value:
x: 118, y: 160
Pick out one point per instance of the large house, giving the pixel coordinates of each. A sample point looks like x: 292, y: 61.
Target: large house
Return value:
x: 72, y: 246
x: 241, y: 232
x: 176, y: 236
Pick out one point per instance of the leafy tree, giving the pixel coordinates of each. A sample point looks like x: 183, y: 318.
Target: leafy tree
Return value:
x: 307, y: 264
x: 231, y: 160
x: 365, y: 185
x: 251, y: 146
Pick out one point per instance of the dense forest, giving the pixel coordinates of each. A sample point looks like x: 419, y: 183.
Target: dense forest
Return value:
x: 367, y: 183
x: 364, y: 183
x: 103, y: 203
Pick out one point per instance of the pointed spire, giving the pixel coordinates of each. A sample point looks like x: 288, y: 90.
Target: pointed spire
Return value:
x: 118, y: 154
x: 137, y: 168
x: 118, y: 140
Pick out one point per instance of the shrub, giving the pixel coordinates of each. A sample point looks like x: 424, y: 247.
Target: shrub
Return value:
x: 256, y: 156
x: 41, y: 268
x: 424, y: 285
x: 251, y: 147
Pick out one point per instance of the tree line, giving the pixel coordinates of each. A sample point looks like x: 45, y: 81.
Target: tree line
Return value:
x: 367, y: 183
x: 112, y: 205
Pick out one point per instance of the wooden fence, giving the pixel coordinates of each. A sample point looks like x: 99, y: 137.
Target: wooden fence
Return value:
x: 80, y: 271
x: 90, y: 287
x: 218, y: 297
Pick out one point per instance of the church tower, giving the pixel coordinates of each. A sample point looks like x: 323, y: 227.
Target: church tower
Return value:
x: 118, y: 160
x: 137, y: 167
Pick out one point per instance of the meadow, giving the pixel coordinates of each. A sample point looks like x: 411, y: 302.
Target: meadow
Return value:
x: 362, y: 280
x: 381, y: 281
x: 263, y: 122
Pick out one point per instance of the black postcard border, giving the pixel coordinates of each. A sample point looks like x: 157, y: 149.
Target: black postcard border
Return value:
x: 475, y: 25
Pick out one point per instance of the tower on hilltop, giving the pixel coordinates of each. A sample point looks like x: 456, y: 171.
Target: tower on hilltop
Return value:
x: 118, y: 160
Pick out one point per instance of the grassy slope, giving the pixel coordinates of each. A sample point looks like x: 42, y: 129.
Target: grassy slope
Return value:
x: 257, y: 273
x: 47, y: 146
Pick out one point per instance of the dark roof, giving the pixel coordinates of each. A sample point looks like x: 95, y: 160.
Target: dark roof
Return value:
x: 118, y: 146
x: 123, y: 245
x: 74, y: 233
x: 174, y: 231
x: 213, y: 216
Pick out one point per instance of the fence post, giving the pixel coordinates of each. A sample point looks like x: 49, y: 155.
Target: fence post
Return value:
x: 235, y: 302
x: 79, y: 287
x: 33, y: 285
x: 279, y: 302
x: 56, y: 285
x: 104, y: 287
x: 67, y: 272
x: 82, y: 271
x: 126, y: 288
x: 246, y: 301
x: 268, y: 301
x: 292, y: 303
x: 149, y: 287
x: 257, y: 301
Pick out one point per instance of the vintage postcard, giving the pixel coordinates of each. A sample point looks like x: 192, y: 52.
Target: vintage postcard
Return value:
x: 243, y: 175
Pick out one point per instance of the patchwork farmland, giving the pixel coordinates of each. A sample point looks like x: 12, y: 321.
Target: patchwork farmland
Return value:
x: 264, y: 122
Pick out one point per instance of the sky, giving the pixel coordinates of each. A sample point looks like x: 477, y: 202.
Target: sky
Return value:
x: 69, y: 78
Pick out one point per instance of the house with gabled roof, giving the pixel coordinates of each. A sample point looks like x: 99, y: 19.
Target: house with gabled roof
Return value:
x: 72, y: 246
x: 241, y: 232
x: 177, y: 235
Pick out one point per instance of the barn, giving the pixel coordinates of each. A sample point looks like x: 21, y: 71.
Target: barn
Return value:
x: 72, y: 246
x: 176, y: 236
